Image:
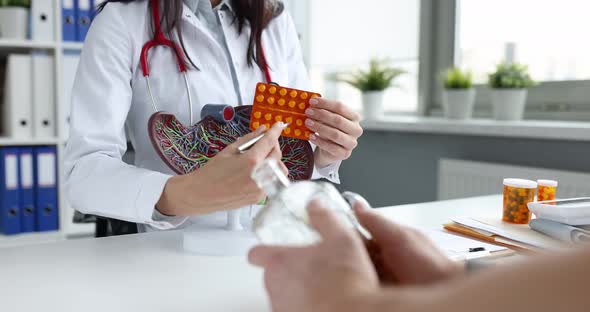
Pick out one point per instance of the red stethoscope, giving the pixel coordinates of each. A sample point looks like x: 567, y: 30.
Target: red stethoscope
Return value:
x: 160, y: 39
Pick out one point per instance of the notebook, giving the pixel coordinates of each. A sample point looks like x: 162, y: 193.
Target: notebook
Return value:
x: 461, y: 248
x: 515, y: 236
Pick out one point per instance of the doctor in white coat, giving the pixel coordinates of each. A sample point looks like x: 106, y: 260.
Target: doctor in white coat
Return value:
x: 222, y: 42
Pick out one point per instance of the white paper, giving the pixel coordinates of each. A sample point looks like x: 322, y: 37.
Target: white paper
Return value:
x: 11, y: 171
x: 26, y: 170
x: 46, y: 169
x: 457, y: 247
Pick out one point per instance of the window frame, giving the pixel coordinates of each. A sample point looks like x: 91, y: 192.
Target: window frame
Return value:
x: 301, y: 9
x: 564, y: 100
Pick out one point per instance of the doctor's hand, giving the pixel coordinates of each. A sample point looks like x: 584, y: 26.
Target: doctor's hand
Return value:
x: 333, y: 275
x: 337, y: 128
x: 225, y: 182
x: 408, y: 257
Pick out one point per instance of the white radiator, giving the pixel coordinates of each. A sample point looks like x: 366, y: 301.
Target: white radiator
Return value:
x: 462, y: 178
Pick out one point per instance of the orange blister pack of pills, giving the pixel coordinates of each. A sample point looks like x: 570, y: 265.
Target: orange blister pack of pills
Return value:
x: 273, y: 103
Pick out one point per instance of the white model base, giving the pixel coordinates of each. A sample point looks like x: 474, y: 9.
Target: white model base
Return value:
x: 218, y: 242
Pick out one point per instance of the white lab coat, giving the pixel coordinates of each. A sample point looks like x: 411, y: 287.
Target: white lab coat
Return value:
x: 110, y: 94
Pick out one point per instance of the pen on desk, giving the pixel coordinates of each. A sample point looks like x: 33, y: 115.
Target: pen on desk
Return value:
x: 477, y: 249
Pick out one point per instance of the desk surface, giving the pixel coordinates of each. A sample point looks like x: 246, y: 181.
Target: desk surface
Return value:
x: 150, y: 272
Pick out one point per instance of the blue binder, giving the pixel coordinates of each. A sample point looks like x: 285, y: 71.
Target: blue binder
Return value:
x: 10, y: 217
x: 69, y: 23
x: 45, y: 167
x: 84, y: 18
x: 27, y: 190
x: 93, y: 9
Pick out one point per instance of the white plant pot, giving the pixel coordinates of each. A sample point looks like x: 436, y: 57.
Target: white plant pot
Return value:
x: 509, y: 104
x: 458, y: 103
x: 14, y: 22
x: 373, y: 104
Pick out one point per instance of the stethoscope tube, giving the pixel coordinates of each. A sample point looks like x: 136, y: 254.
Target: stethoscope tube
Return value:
x: 160, y: 39
x: 188, y: 92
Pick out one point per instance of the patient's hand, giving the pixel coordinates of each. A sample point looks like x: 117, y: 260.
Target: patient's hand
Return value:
x: 408, y: 257
x: 334, y: 275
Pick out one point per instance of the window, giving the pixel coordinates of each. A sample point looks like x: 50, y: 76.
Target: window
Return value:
x: 341, y: 37
x: 546, y: 35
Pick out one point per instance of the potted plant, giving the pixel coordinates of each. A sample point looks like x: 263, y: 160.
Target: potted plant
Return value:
x: 458, y: 95
x: 510, y: 83
x: 373, y: 83
x: 14, y: 18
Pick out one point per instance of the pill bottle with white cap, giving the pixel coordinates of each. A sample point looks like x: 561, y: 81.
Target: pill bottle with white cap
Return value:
x: 547, y: 190
x: 517, y: 194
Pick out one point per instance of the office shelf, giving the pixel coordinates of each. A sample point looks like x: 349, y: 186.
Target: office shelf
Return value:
x: 72, y: 45
x: 28, y: 142
x: 57, y: 49
x: 10, y: 44
x: 26, y: 44
x: 30, y: 239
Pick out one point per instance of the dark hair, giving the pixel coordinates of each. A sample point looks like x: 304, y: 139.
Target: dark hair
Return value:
x: 257, y: 13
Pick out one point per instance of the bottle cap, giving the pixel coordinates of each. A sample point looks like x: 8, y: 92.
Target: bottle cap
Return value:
x: 520, y: 183
x: 550, y: 183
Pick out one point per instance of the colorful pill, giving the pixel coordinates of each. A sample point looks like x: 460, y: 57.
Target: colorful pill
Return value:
x: 302, y: 106
x: 282, y: 102
x: 299, y: 122
x: 292, y: 104
x: 293, y: 94
x: 304, y: 95
x: 297, y: 132
x: 256, y: 125
x: 283, y: 92
x: 257, y: 115
x: 271, y: 100
x: 260, y: 98
x: 272, y: 90
x: 268, y: 116
x: 289, y: 120
x: 267, y: 126
x: 279, y: 118
x: 288, y: 131
x: 261, y: 88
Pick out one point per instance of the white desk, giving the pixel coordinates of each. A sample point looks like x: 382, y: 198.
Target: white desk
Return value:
x: 150, y: 272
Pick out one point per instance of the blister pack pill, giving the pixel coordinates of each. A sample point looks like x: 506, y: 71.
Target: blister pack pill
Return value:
x: 273, y: 103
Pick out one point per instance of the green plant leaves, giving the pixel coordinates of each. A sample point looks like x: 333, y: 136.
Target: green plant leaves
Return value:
x: 379, y: 77
x: 511, y: 76
x: 455, y: 78
x: 15, y: 3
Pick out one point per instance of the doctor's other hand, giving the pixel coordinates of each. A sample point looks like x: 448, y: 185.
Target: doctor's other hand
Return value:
x: 338, y: 129
x: 408, y: 257
x: 333, y: 275
x: 225, y: 182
